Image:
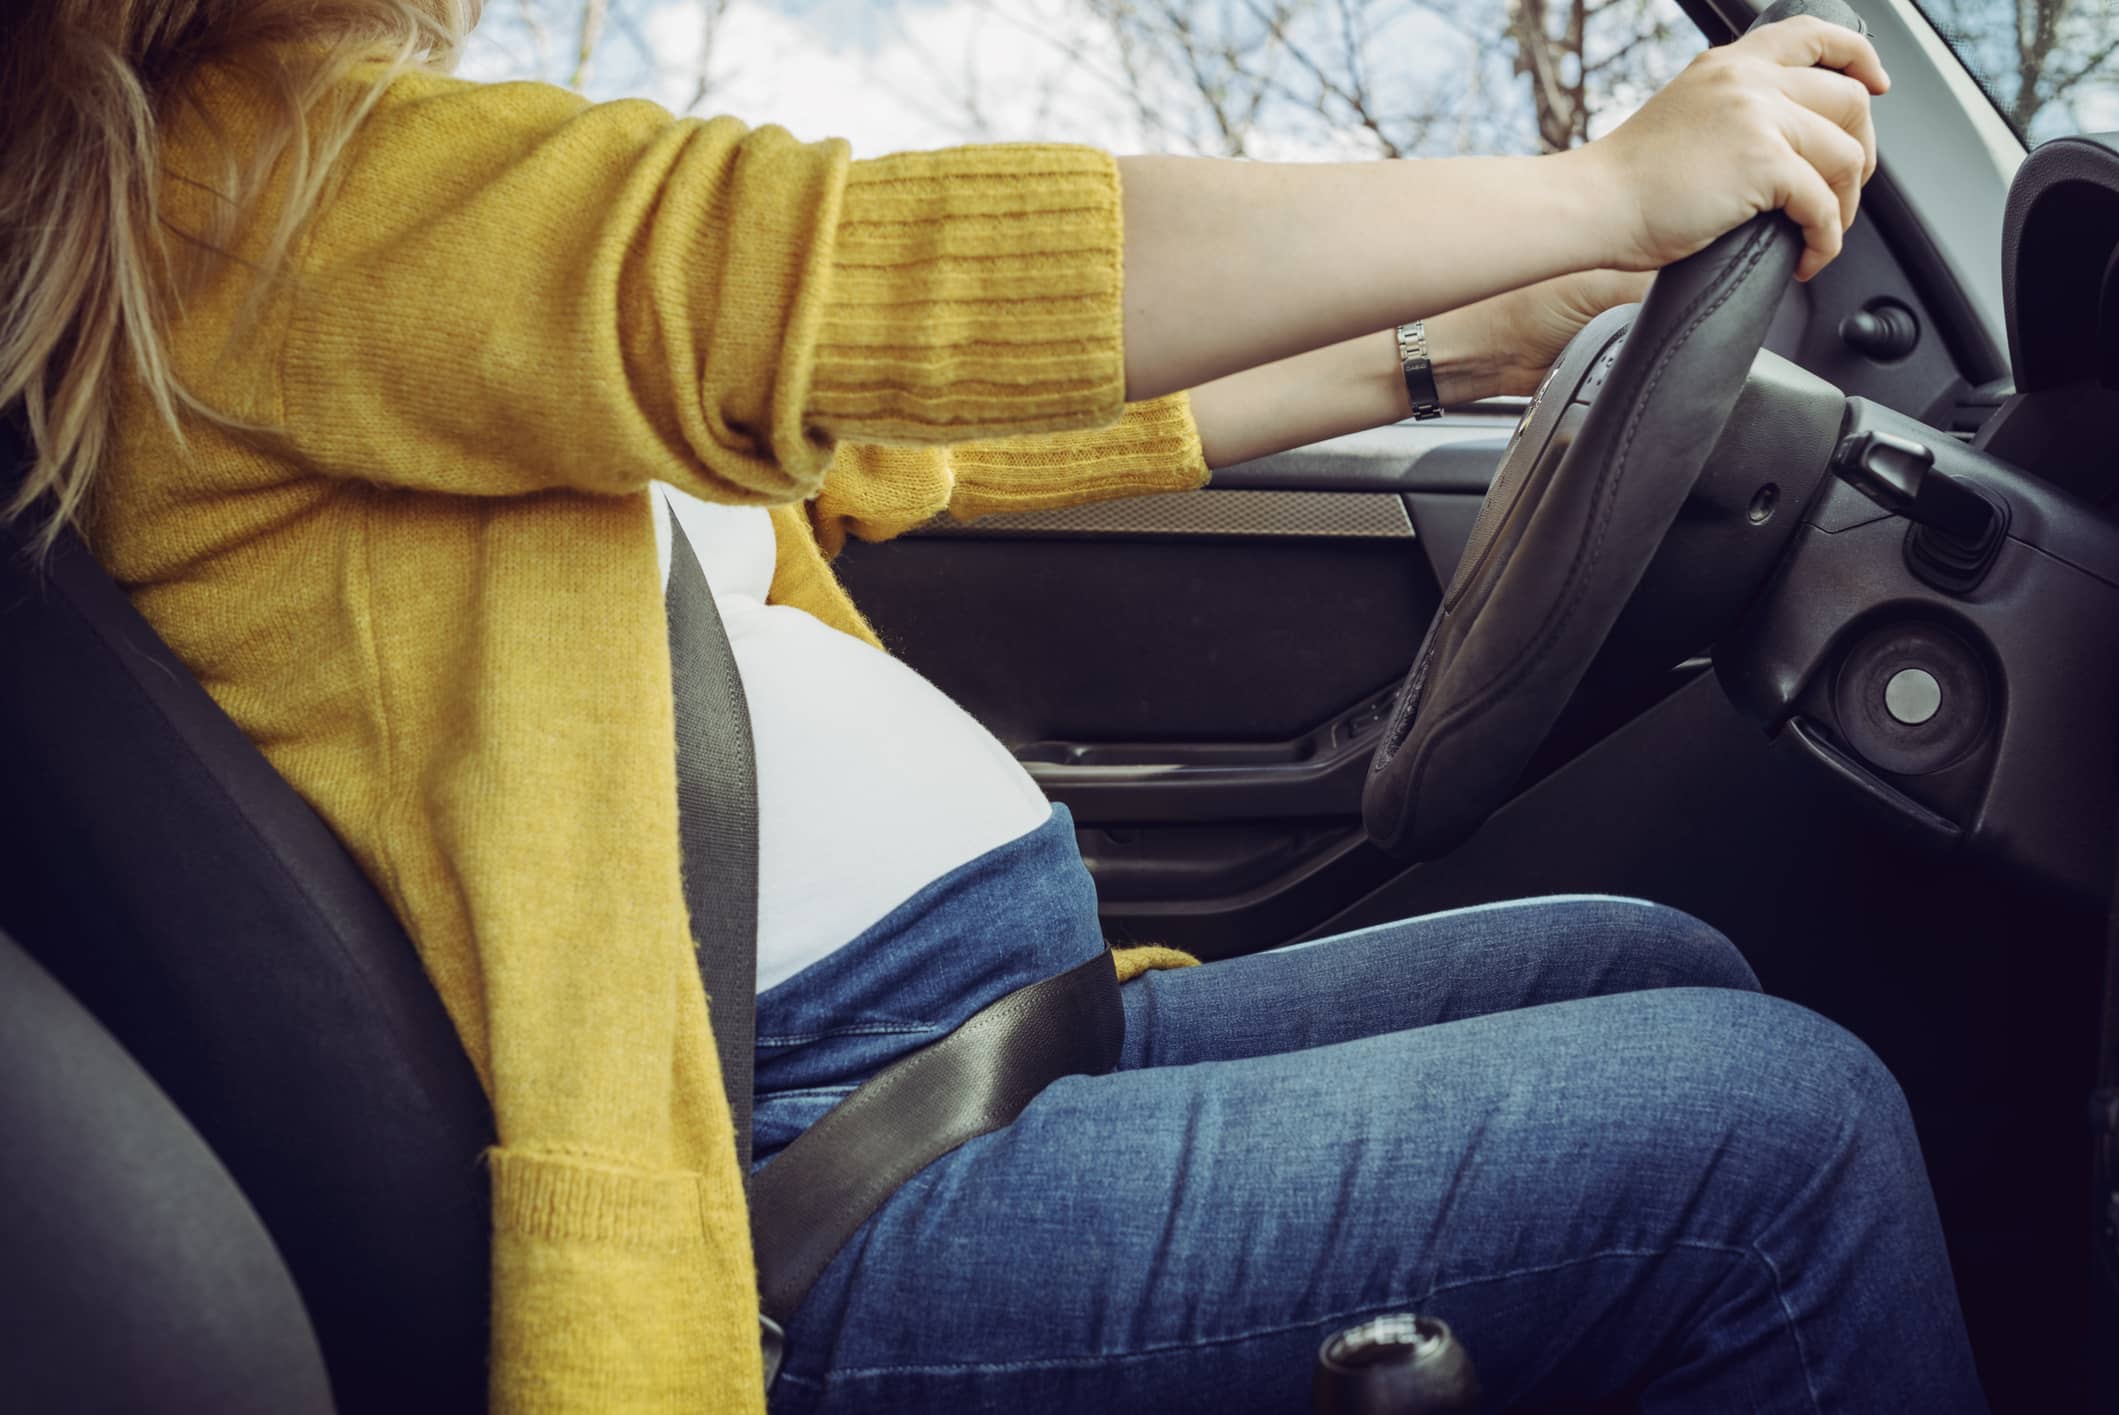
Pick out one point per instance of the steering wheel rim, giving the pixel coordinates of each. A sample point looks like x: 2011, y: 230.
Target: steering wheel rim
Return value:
x: 1572, y: 524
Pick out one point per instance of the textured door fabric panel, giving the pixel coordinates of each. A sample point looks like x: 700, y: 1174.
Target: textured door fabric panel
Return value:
x: 1325, y: 515
x: 1142, y: 639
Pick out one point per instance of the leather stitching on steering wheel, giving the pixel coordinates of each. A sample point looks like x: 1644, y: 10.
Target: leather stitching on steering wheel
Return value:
x: 1588, y: 553
x: 1408, y: 707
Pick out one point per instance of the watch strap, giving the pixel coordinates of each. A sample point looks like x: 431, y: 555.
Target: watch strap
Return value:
x: 1418, y: 369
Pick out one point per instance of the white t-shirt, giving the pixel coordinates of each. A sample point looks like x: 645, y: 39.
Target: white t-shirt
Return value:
x: 871, y: 782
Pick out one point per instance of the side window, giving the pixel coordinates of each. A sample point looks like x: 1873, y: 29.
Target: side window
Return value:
x: 1290, y: 79
x: 2050, y: 66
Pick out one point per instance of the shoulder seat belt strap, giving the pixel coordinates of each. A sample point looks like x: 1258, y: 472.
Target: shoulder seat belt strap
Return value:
x: 717, y: 822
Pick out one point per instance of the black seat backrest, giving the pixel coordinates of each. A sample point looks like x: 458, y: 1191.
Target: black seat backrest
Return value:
x: 132, y: 1274
x: 154, y: 862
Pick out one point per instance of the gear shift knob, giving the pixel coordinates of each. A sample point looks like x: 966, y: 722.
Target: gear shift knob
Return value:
x: 1399, y: 1364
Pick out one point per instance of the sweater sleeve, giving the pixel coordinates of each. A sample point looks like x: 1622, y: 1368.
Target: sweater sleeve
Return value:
x: 876, y: 492
x: 510, y: 290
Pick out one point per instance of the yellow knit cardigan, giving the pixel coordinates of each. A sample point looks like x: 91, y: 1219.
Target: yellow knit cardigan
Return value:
x: 428, y: 589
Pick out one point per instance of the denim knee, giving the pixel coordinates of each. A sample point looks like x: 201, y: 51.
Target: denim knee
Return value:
x: 1806, y: 1092
x: 1613, y: 944
x: 1685, y: 952
x: 1826, y: 1076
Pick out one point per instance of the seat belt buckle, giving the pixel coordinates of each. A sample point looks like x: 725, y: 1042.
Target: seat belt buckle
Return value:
x: 772, y: 1343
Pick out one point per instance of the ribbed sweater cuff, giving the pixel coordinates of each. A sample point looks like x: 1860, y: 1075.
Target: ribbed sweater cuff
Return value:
x: 621, y: 1289
x: 576, y: 1200
x: 1154, y: 448
x: 975, y: 293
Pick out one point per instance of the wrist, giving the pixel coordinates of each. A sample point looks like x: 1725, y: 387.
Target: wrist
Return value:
x: 1595, y: 195
x: 1470, y: 358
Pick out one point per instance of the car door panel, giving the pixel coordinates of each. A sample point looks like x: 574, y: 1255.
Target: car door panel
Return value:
x: 1116, y: 638
x: 1200, y: 678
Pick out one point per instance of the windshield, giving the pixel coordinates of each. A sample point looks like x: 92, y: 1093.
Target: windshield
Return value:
x: 2050, y: 66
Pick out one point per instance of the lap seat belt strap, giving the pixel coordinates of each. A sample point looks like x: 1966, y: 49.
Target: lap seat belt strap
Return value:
x: 814, y: 1194
x: 817, y: 1192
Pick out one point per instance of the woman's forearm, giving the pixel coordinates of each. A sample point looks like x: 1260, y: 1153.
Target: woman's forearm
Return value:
x: 1230, y: 264
x: 1348, y: 387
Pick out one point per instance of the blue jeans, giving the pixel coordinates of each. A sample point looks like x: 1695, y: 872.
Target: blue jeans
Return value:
x: 1572, y: 1128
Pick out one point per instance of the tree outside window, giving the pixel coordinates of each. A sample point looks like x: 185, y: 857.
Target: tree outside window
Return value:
x: 2050, y: 66
x: 1258, y: 78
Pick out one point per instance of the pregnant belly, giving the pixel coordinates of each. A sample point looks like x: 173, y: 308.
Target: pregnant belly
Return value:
x: 871, y: 783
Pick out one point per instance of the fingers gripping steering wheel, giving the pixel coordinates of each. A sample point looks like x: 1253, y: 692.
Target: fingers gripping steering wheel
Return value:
x: 1588, y: 489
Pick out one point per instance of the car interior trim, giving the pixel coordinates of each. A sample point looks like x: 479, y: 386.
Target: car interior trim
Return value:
x: 1328, y: 515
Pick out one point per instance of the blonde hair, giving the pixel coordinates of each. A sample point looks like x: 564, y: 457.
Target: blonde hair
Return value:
x: 89, y: 272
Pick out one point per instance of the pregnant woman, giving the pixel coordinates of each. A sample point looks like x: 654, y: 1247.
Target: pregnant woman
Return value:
x: 380, y: 392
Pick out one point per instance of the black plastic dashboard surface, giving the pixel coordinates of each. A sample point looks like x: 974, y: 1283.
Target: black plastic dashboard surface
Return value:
x: 2057, y: 246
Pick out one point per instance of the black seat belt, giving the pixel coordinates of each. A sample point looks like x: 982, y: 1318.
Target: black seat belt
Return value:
x: 717, y: 822
x: 812, y: 1197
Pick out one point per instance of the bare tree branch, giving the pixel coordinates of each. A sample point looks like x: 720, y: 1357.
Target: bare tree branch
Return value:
x: 587, y: 33
x: 713, y: 12
x: 2089, y: 68
x: 540, y: 38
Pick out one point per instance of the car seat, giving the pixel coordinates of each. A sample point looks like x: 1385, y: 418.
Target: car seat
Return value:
x: 158, y: 867
x: 138, y: 1278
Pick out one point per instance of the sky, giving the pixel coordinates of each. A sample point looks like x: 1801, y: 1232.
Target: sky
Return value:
x: 890, y: 75
x: 894, y: 74
x: 885, y: 77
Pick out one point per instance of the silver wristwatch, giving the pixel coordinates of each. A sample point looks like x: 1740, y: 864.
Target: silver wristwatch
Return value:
x: 1419, y: 371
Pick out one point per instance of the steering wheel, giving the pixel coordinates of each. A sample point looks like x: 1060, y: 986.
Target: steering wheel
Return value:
x: 1610, y: 448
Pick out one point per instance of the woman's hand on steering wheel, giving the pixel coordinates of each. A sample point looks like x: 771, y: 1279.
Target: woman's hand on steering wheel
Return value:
x: 1778, y: 120
x: 1505, y: 344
